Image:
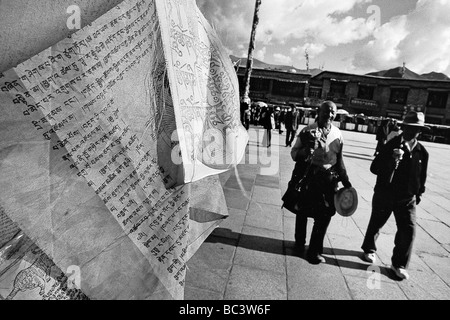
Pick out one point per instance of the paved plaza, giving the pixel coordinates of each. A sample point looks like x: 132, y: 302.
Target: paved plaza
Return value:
x: 250, y: 255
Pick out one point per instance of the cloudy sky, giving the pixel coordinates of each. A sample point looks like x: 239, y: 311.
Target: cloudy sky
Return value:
x: 356, y: 36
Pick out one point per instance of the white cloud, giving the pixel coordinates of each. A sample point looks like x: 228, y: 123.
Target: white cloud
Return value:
x: 313, y: 49
x: 319, y: 21
x: 421, y: 39
x: 282, y: 59
x: 383, y: 50
x: 261, y: 54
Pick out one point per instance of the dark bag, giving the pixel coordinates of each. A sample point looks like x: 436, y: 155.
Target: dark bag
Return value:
x: 297, y: 197
x: 310, y: 192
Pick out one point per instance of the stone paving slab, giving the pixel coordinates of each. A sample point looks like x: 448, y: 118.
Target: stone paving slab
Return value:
x: 232, y: 226
x: 425, y: 286
x: 267, y: 195
x: 360, y: 290
x: 236, y: 199
x: 261, y: 249
x: 255, y: 284
x: 210, y: 267
x: 267, y: 181
x: 240, y: 183
x: 315, y: 282
x: 265, y: 216
x: 440, y: 265
x: 436, y: 229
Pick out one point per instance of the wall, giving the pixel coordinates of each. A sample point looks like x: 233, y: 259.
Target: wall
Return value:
x: 27, y: 27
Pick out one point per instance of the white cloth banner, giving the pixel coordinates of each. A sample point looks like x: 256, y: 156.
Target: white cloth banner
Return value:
x: 91, y: 134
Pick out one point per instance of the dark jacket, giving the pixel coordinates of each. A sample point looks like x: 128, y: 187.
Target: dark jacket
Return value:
x: 291, y: 121
x: 410, y: 176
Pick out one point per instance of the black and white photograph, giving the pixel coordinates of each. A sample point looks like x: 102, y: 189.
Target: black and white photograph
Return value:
x: 231, y: 157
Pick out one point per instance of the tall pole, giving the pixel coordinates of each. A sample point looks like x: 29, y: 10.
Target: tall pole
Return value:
x: 251, y: 48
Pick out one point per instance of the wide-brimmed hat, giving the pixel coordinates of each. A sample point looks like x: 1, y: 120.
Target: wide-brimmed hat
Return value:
x: 415, y: 119
x: 346, y: 201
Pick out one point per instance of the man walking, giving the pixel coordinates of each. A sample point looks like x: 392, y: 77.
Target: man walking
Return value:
x: 291, y: 124
x: 401, y: 169
x: 319, y: 148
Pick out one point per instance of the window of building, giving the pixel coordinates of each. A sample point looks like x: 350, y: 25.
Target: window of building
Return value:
x: 315, y: 92
x: 290, y: 89
x: 437, y: 99
x: 258, y: 84
x: 337, y: 89
x: 366, y: 92
x: 399, y: 95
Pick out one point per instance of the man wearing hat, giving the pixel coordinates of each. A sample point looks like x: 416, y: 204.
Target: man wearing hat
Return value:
x: 401, y: 169
x: 320, y: 146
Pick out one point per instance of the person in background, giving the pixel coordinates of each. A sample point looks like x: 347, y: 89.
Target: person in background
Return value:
x: 277, y: 119
x: 291, y: 124
x: 245, y: 104
x: 323, y: 154
x: 247, y: 117
x: 401, y: 169
x: 394, y: 130
x: 381, y: 135
x: 257, y: 116
x: 282, y: 125
x: 268, y: 122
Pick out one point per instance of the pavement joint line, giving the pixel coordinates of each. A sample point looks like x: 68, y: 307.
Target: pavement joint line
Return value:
x: 434, y: 272
x: 440, y: 244
x: 232, y: 266
x: 340, y: 269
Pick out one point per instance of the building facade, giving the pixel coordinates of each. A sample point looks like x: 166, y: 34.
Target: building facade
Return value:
x: 358, y: 94
x: 388, y: 97
x: 277, y: 87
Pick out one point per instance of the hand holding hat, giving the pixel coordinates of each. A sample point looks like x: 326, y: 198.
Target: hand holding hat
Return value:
x: 346, y: 201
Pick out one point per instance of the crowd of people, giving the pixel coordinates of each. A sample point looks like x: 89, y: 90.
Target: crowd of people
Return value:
x: 400, y: 164
x: 270, y: 118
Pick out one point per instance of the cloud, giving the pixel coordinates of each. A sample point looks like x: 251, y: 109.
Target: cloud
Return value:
x: 282, y: 59
x: 261, y: 54
x: 421, y: 39
x: 322, y: 22
x: 313, y: 49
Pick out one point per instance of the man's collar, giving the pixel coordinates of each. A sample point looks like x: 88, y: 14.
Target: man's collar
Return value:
x: 413, y: 143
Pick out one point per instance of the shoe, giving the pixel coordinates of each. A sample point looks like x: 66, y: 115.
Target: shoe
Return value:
x: 370, y: 257
x: 316, y: 259
x: 400, y: 272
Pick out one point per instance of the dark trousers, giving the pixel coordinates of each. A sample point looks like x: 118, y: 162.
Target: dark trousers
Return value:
x: 290, y: 136
x: 383, y: 204
x: 319, y: 230
x: 247, y: 124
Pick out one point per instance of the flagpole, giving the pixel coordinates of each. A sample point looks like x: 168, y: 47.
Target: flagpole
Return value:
x: 251, y: 48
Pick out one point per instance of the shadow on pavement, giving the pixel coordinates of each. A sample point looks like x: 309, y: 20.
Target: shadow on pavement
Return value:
x: 356, y: 156
x: 282, y: 247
